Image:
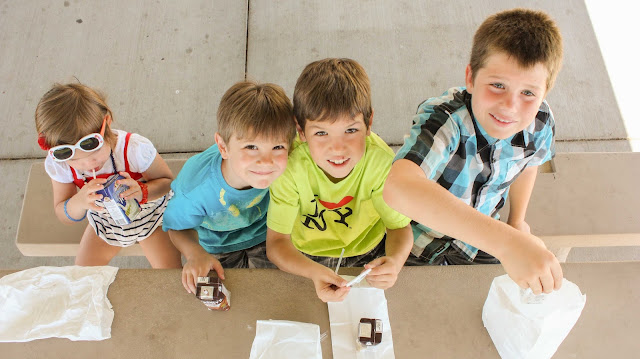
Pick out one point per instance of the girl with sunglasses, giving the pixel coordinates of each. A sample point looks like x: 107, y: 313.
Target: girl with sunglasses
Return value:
x: 74, y: 126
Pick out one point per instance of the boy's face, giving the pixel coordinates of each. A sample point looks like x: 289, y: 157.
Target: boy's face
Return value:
x: 336, y: 147
x: 506, y: 96
x: 255, y: 162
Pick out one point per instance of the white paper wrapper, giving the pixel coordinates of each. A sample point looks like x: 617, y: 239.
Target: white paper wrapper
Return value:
x: 62, y: 302
x: 530, y: 331
x: 282, y: 339
x: 363, y: 301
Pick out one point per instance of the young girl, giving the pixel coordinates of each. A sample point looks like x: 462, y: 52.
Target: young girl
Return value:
x: 74, y: 125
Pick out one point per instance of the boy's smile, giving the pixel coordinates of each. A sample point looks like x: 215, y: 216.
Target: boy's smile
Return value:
x: 505, y: 96
x: 336, y: 147
x: 253, y: 162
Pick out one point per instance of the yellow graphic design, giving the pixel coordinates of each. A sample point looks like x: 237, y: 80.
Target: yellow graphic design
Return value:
x: 234, y: 210
x: 222, y: 192
x: 254, y: 202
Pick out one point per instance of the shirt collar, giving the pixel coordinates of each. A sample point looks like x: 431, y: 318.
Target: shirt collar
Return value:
x: 484, y: 139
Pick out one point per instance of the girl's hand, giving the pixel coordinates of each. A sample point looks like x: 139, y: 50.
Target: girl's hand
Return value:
x: 134, y: 190
x: 86, y: 197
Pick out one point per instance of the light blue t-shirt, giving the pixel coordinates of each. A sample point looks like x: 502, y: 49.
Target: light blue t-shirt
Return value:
x: 226, y: 219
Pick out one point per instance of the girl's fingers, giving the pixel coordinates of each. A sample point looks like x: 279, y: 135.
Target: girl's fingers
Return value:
x: 94, y: 207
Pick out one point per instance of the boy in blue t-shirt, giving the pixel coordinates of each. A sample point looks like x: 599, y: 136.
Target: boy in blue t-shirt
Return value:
x: 217, y: 215
x: 472, y: 146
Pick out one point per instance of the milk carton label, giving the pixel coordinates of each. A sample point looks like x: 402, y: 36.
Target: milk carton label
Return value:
x: 121, y: 210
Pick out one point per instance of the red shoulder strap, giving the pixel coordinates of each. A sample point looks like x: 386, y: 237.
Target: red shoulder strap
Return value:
x: 126, y: 146
x: 136, y: 176
x: 77, y: 181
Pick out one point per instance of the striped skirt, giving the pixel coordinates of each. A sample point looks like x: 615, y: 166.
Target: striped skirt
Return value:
x: 149, y: 218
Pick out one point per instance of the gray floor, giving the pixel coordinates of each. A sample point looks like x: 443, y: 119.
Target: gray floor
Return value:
x: 165, y: 66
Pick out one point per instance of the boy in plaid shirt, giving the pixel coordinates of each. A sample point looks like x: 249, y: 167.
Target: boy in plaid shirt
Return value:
x: 471, y: 147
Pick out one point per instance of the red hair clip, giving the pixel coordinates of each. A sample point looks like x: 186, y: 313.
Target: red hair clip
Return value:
x: 43, y: 143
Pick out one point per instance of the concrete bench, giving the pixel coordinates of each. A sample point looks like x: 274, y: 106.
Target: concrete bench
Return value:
x: 40, y: 233
x: 586, y: 200
x: 579, y: 200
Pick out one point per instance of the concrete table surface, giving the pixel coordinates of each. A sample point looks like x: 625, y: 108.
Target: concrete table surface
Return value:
x: 434, y: 312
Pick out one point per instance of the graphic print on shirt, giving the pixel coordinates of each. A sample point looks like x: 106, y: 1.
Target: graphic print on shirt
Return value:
x: 232, y: 208
x: 317, y: 219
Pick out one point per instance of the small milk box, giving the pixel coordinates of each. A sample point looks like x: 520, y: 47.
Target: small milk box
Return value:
x: 121, y: 210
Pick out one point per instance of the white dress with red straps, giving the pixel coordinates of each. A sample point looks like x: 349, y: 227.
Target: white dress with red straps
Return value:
x: 137, y: 158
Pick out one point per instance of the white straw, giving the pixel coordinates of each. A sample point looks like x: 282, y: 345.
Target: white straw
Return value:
x: 339, y: 260
x: 94, y: 174
x: 360, y: 277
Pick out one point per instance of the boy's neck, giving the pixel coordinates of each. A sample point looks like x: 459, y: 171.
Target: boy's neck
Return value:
x: 230, y: 178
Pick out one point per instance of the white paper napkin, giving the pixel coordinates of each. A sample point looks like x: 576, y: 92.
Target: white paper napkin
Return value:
x: 363, y: 301
x: 282, y: 339
x: 62, y: 302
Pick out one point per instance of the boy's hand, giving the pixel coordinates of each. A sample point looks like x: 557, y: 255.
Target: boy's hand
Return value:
x: 86, y: 197
x: 384, y: 272
x: 134, y: 190
x: 330, y: 287
x: 199, y: 265
x: 531, y: 265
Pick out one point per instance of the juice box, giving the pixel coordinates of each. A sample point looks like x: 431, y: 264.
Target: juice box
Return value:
x: 121, y: 210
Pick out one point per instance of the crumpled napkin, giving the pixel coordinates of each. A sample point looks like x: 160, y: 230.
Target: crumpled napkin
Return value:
x: 527, y: 326
x: 63, y: 302
x: 281, y: 339
x: 363, y: 301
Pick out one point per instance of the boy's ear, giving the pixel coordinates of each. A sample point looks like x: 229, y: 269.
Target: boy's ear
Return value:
x: 222, y: 147
x: 370, y: 123
x: 300, y: 131
x: 468, y: 78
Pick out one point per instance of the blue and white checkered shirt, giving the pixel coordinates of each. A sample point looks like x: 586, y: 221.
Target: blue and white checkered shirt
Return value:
x: 453, y: 150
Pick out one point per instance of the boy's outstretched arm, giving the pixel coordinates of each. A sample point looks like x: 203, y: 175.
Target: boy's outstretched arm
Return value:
x: 519, y: 195
x: 330, y: 287
x: 199, y: 262
x: 397, y: 248
x: 523, y: 256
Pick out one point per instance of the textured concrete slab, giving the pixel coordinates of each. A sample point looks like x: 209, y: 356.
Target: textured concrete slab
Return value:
x: 164, y: 66
x: 593, y: 146
x: 413, y: 50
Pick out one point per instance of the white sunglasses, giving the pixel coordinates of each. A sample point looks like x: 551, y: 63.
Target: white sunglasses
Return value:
x: 89, y: 143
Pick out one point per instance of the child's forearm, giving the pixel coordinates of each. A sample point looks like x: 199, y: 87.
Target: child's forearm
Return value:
x: 159, y: 177
x: 286, y: 256
x: 399, y: 243
x: 74, y: 210
x: 187, y: 242
x: 520, y: 193
x: 408, y: 191
x: 157, y: 188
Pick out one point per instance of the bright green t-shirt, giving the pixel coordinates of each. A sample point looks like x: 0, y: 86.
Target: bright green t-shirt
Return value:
x: 323, y: 217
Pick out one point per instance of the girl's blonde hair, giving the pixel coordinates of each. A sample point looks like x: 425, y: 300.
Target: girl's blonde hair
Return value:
x: 66, y: 113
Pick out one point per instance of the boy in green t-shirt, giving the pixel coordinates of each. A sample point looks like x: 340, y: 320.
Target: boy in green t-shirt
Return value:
x: 330, y: 196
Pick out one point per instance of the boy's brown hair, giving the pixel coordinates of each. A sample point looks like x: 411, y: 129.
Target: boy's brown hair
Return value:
x: 330, y: 88
x: 529, y: 36
x: 249, y: 109
x: 66, y: 113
